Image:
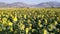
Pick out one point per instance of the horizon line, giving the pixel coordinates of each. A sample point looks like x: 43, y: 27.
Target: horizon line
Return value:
x: 27, y: 3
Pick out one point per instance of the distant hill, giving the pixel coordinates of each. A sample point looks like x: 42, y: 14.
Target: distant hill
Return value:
x: 16, y: 4
x: 21, y: 4
x: 48, y: 4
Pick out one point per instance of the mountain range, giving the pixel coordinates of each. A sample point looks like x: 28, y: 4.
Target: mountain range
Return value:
x: 21, y: 4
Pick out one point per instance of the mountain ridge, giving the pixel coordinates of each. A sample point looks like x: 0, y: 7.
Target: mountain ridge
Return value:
x: 21, y: 4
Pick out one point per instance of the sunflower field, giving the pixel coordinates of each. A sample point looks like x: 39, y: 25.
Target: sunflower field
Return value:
x: 30, y: 21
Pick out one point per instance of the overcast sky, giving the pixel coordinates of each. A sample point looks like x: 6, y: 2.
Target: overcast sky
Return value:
x: 28, y: 1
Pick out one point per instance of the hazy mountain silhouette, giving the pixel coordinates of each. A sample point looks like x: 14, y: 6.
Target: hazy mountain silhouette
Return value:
x: 18, y: 4
x: 21, y: 4
x: 48, y: 4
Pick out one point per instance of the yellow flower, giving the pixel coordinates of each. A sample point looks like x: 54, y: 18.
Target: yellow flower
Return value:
x: 56, y: 23
x: 22, y: 26
x: 30, y: 28
x: 28, y: 16
x: 4, y: 19
x: 34, y: 17
x: 4, y: 23
x: 11, y: 29
x: 25, y: 16
x: 28, y: 20
x: 30, y: 24
x: 27, y: 30
x: 51, y: 27
x: 12, y: 16
x: 42, y: 16
x: 39, y: 21
x: 10, y: 23
x: 15, y: 32
x: 38, y: 16
x: 57, y: 29
x: 46, y: 21
x: 45, y: 31
x: 40, y: 25
x: 33, y: 30
x: 15, y: 19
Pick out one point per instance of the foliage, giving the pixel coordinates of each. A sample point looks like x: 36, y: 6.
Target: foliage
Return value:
x: 30, y: 21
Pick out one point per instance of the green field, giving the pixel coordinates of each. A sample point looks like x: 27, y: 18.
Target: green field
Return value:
x: 29, y: 20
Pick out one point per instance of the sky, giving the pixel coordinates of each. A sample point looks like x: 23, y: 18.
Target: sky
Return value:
x: 28, y: 1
